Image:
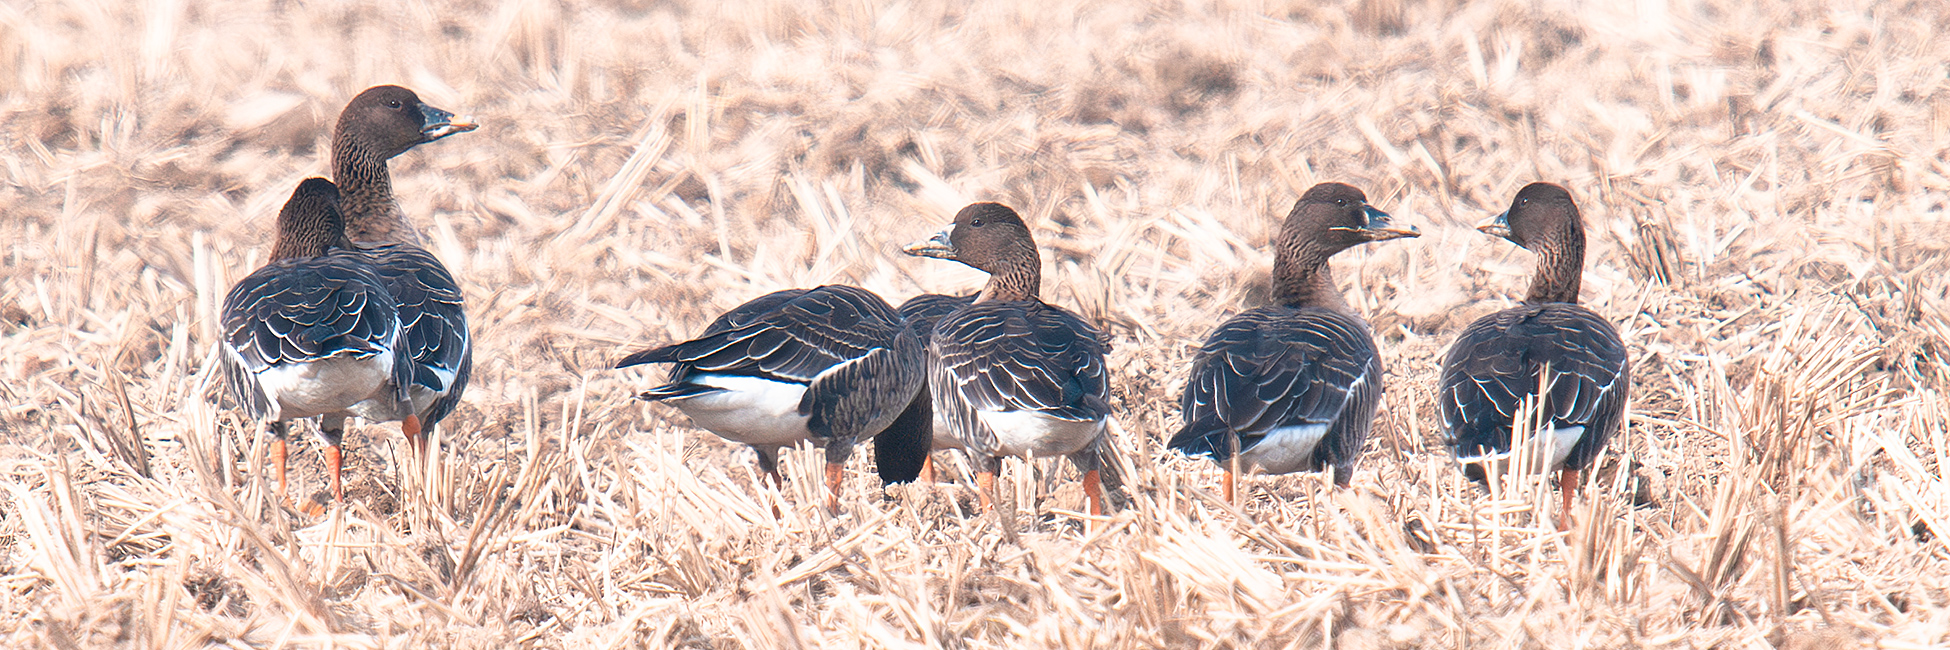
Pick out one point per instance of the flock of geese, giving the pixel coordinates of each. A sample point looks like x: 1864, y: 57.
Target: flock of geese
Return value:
x: 353, y: 317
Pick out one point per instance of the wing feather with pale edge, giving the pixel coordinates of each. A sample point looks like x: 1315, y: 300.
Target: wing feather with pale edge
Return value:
x: 302, y: 311
x: 1280, y: 367
x: 1495, y: 363
x: 1015, y: 356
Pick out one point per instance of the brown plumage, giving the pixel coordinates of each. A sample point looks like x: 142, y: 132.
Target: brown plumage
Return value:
x: 1010, y: 374
x: 1497, y: 361
x: 1293, y: 387
x: 378, y: 124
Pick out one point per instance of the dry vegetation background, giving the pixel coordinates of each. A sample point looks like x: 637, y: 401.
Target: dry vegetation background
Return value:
x: 1765, y: 186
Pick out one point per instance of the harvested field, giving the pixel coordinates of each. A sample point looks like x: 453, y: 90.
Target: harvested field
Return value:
x: 1766, y: 190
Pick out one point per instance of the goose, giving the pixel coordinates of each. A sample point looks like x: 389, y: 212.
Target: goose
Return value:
x: 1294, y: 386
x: 312, y: 333
x: 1010, y: 374
x: 378, y: 124
x: 830, y: 365
x: 1496, y: 362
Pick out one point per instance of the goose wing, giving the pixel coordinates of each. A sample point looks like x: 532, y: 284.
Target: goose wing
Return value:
x: 1495, y: 364
x: 861, y: 364
x: 433, y: 318
x: 863, y: 395
x: 791, y: 335
x: 301, y: 311
x: 1278, y: 367
x: 1016, y: 356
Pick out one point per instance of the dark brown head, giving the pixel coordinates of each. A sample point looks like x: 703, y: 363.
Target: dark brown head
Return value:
x: 1544, y: 219
x: 385, y: 121
x: 993, y: 238
x: 1336, y: 216
x: 310, y: 223
x: 1328, y: 219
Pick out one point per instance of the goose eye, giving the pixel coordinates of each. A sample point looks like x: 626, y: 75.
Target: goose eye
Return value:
x: 394, y: 104
x: 1523, y: 201
x: 1340, y: 202
x: 976, y: 222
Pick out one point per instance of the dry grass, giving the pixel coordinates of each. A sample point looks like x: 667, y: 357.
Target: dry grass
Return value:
x: 1766, y: 186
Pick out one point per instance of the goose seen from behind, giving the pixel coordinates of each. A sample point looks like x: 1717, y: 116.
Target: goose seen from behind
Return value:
x: 1568, y: 360
x: 1293, y: 386
x: 314, y: 332
x: 830, y: 365
x: 1010, y: 374
x: 378, y: 124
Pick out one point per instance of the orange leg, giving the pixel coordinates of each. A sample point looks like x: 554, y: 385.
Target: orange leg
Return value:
x: 927, y: 471
x: 1231, y: 491
x: 772, y: 477
x: 1232, y: 470
x: 335, y: 463
x: 834, y: 474
x: 414, y: 436
x: 985, y: 484
x: 278, y: 456
x: 1567, y: 483
x: 1093, y: 488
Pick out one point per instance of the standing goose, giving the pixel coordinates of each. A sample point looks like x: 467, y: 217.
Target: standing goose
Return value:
x: 313, y: 332
x: 378, y: 124
x: 1496, y: 362
x: 1012, y: 375
x: 829, y: 365
x: 1293, y: 387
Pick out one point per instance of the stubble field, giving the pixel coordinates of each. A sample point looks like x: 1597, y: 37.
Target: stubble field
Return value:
x: 1765, y: 189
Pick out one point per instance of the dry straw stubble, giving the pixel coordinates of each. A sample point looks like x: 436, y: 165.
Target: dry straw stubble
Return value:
x: 1765, y: 185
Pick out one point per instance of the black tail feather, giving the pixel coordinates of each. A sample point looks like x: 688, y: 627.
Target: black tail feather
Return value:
x: 674, y: 391
x: 665, y: 354
x: 1206, y: 436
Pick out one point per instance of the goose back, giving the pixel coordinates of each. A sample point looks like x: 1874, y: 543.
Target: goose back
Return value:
x: 1019, y: 357
x: 1298, y: 386
x: 313, y: 333
x: 923, y: 311
x: 1496, y: 362
x: 852, y: 361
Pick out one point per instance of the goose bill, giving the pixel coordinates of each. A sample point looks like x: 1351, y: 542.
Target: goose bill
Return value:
x: 440, y: 124
x: 1381, y: 227
x: 1498, y: 225
x: 940, y: 246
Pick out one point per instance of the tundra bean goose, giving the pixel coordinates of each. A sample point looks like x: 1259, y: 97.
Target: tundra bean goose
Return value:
x: 1550, y: 342
x: 1010, y: 374
x: 377, y: 125
x: 1294, y: 386
x: 313, y: 333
